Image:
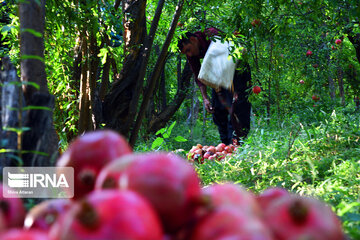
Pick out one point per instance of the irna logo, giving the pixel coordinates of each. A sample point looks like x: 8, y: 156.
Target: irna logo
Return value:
x: 21, y: 180
x: 38, y: 182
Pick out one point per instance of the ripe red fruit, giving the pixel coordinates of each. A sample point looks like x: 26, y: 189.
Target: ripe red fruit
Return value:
x: 315, y: 98
x: 109, y: 214
x: 20, y: 234
x: 12, y: 210
x: 298, y: 217
x: 268, y: 196
x: 212, y: 149
x: 232, y: 195
x: 167, y: 181
x: 43, y: 215
x: 338, y: 41
x: 219, y: 149
x: 256, y: 22
x: 228, y: 149
x: 207, y: 155
x: 229, y: 223
x: 256, y: 90
x: 89, y: 153
x: 333, y: 48
x: 301, y: 82
x: 309, y: 53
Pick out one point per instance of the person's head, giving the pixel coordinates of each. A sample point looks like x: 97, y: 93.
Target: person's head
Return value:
x: 189, y: 45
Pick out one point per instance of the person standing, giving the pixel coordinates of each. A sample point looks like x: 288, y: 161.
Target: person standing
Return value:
x: 230, y: 108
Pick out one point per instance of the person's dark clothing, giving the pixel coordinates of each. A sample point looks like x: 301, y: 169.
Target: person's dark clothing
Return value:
x: 231, y: 117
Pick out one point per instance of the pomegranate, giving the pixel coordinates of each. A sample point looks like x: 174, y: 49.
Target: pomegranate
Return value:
x: 169, y: 183
x: 315, y: 98
x: 338, y: 41
x: 232, y: 195
x: 229, y: 223
x: 43, y: 215
x: 12, y: 210
x: 109, y: 214
x: 309, y: 53
x: 21, y: 234
x: 256, y: 90
x: 296, y: 217
x: 270, y: 195
x: 88, y: 154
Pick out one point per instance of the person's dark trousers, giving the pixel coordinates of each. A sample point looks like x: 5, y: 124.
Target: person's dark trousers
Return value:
x: 241, y: 107
x: 221, y: 114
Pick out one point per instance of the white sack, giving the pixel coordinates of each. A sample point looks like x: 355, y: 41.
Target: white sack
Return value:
x: 217, y: 69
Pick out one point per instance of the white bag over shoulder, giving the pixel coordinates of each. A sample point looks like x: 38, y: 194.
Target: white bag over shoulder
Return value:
x: 217, y: 69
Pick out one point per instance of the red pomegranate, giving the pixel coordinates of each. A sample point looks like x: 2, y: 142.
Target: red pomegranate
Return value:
x: 309, y: 53
x: 12, y: 210
x: 230, y: 223
x: 21, y: 234
x: 256, y: 90
x: 109, y: 214
x: 89, y: 153
x: 296, y: 217
x: 232, y: 195
x: 169, y: 183
x: 270, y: 195
x: 43, y: 215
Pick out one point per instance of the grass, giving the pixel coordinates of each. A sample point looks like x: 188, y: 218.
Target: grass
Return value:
x: 316, y: 155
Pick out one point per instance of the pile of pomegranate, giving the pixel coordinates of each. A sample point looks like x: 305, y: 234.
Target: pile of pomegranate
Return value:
x: 122, y: 195
x: 201, y: 154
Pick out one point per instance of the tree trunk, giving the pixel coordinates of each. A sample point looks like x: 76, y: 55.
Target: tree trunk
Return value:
x: 159, y: 121
x: 32, y: 25
x: 341, y: 85
x: 116, y: 105
x: 11, y: 99
x: 40, y: 142
x: 155, y: 74
x: 355, y: 40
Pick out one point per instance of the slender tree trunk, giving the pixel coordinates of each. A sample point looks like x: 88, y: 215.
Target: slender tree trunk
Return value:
x: 159, y: 121
x: 341, y: 85
x: 157, y: 70
x: 84, y: 106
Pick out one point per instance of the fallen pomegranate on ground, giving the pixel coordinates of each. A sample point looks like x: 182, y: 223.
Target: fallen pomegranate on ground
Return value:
x: 201, y: 153
x: 109, y: 214
x: 89, y: 153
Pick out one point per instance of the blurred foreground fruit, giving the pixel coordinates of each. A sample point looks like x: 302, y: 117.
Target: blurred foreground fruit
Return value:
x: 89, y: 153
x: 43, y: 215
x: 229, y: 223
x: 12, y: 210
x: 20, y: 234
x: 167, y: 181
x: 296, y: 217
x: 109, y: 214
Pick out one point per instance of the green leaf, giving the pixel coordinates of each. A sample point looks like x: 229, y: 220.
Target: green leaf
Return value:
x: 158, y: 141
x: 180, y: 139
x: 168, y: 131
x: 25, y: 56
x: 32, y: 31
